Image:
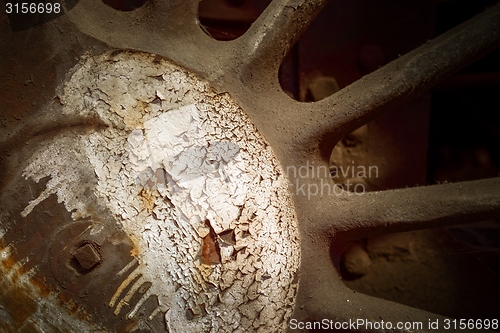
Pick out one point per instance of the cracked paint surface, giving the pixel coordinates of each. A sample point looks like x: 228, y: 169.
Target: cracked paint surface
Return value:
x: 186, y: 174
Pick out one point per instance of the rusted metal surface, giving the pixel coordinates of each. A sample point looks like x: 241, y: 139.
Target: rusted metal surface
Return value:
x: 137, y: 196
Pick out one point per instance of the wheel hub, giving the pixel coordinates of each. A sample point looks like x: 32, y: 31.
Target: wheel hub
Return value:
x: 188, y: 178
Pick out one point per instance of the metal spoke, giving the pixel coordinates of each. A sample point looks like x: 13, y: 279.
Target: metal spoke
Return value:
x: 272, y: 35
x: 322, y: 295
x: 401, y: 79
x: 413, y: 208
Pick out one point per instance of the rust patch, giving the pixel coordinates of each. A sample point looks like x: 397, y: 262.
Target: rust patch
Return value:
x: 210, y: 251
x: 67, y: 302
x: 18, y: 304
x: 131, y: 326
x: 134, y: 252
x: 8, y: 263
x: 148, y: 199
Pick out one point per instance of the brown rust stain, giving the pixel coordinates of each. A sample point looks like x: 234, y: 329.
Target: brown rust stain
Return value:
x: 8, y: 263
x: 210, y: 252
x: 134, y: 252
x: 18, y: 303
x: 131, y: 326
x: 65, y: 301
x: 148, y: 199
x: 42, y: 285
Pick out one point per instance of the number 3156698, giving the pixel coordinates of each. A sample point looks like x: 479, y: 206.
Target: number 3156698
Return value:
x: 32, y: 8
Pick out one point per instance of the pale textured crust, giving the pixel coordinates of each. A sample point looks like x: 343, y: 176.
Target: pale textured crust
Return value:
x: 192, y: 182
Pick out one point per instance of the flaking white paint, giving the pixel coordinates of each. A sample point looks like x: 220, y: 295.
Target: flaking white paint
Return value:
x: 176, y: 154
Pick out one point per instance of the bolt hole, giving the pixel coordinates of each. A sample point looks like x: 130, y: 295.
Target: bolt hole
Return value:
x: 125, y: 5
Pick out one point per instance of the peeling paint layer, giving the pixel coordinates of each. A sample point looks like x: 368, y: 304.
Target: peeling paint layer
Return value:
x: 194, y: 185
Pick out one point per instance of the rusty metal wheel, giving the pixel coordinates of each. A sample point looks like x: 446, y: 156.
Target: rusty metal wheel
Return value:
x: 153, y: 177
